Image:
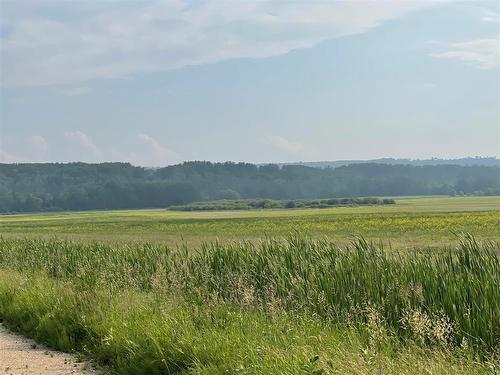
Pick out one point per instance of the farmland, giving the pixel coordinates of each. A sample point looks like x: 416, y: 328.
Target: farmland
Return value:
x: 249, y: 187
x: 259, y: 292
x: 423, y: 222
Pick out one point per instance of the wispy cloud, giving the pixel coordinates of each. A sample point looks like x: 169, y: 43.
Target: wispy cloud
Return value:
x: 481, y: 53
x: 33, y: 148
x: 489, y: 16
x: 142, y: 149
x: 84, y: 41
x: 7, y: 157
x: 81, y: 139
x: 148, y: 151
x: 285, y: 145
x: 80, y: 146
x: 37, y: 143
x: 38, y: 148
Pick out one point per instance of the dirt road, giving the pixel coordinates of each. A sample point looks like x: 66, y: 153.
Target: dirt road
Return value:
x: 22, y: 356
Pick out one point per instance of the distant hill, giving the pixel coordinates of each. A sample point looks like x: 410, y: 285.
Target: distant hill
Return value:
x: 81, y: 186
x: 476, y: 161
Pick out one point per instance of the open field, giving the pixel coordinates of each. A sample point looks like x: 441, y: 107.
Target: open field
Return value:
x: 409, y: 223
x: 279, y: 293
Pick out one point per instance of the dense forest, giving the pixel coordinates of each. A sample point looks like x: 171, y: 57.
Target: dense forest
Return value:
x: 476, y: 161
x: 81, y: 186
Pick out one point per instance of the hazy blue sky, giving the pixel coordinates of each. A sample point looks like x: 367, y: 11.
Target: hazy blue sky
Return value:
x: 159, y: 82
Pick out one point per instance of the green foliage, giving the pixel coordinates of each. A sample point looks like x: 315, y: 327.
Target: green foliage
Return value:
x: 408, y: 291
x: 80, y: 186
x: 133, y: 332
x: 411, y: 223
x: 299, y: 306
x: 253, y: 204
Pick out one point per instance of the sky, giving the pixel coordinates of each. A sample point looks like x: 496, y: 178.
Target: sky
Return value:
x: 155, y: 83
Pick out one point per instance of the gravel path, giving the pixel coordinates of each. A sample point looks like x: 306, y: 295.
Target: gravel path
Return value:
x: 19, y: 355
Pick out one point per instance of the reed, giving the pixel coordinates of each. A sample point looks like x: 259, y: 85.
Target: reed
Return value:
x: 450, y: 296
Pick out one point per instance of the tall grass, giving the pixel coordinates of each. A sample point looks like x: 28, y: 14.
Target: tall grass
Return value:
x: 133, y: 332
x: 449, y: 297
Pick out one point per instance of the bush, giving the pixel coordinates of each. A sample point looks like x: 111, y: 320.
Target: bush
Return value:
x: 332, y: 202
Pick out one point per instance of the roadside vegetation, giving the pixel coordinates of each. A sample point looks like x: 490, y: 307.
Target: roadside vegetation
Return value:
x: 259, y: 204
x: 294, y: 305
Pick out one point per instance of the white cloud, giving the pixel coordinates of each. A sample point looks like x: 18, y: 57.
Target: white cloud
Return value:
x: 37, y: 143
x: 37, y: 149
x: 285, y: 145
x: 6, y: 157
x: 33, y: 148
x: 81, y: 139
x: 489, y: 16
x: 149, y: 152
x: 78, y: 146
x: 82, y: 41
x: 482, y: 53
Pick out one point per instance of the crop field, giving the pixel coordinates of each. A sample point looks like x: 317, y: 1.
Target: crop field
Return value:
x: 410, y: 288
x: 411, y: 222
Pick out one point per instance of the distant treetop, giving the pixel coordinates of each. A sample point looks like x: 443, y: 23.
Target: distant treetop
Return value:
x: 81, y: 186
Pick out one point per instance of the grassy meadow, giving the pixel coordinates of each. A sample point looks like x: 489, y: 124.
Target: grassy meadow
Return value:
x: 411, y: 222
x: 297, y: 291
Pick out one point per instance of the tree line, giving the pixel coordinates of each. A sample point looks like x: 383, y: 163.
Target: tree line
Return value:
x: 262, y: 204
x: 81, y: 186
